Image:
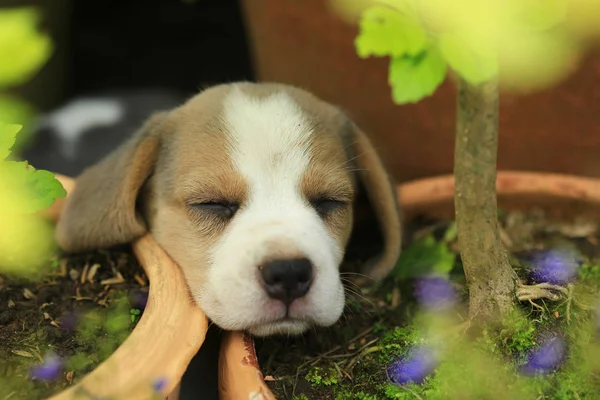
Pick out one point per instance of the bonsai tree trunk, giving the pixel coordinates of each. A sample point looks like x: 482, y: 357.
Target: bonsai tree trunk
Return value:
x: 490, y: 277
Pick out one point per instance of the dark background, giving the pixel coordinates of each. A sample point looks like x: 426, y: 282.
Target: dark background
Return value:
x: 174, y: 44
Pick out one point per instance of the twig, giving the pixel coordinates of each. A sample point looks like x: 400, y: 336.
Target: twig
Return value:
x: 569, y: 302
x: 343, y: 372
x: 84, y: 274
x: 536, y: 305
x: 362, y: 354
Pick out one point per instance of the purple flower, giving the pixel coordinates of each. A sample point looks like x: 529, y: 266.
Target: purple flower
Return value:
x: 159, y: 385
x: 415, y: 367
x: 49, y: 370
x: 435, y: 293
x: 554, y: 266
x: 547, y: 357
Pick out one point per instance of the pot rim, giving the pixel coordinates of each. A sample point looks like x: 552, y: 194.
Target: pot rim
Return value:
x: 237, y: 352
x: 166, y: 338
x: 420, y: 193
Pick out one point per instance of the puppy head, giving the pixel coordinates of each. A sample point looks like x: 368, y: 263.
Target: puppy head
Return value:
x: 251, y: 189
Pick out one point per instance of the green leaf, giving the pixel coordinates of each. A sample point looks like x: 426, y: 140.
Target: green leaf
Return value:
x: 413, y: 78
x: 387, y: 32
x: 24, y: 50
x: 475, y: 64
x: 41, y: 188
x: 8, y: 136
x: 425, y: 257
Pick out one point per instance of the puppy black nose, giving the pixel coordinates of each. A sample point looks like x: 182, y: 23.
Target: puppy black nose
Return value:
x: 287, y: 280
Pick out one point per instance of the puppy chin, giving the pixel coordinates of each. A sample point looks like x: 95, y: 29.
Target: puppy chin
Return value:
x: 285, y: 327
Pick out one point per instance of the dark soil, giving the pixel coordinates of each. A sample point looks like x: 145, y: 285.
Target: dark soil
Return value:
x: 348, y: 360
x: 82, y: 309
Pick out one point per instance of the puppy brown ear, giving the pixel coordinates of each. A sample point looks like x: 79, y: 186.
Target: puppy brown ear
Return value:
x: 101, y: 210
x: 377, y: 213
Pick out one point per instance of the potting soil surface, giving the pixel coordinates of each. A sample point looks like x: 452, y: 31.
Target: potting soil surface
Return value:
x: 55, y: 330
x: 350, y: 360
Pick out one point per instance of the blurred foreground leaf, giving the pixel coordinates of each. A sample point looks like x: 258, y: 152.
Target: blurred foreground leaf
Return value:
x: 26, y: 239
x: 540, y: 15
x: 24, y: 50
x: 526, y: 44
x: 32, y: 190
x: 475, y: 65
x: 8, y: 136
x: 14, y: 110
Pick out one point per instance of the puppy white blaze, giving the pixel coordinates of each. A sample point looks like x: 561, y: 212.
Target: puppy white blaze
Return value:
x: 269, y: 144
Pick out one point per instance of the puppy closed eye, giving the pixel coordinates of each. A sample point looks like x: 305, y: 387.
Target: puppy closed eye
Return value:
x: 325, y: 206
x: 221, y: 209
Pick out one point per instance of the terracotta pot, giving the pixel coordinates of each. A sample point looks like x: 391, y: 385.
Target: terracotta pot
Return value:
x: 166, y: 338
x: 306, y: 44
x: 559, y: 195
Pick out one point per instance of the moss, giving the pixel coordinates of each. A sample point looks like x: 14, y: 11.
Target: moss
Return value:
x: 356, y: 396
x: 589, y: 272
x: 518, y: 333
x: 396, y: 341
x: 318, y: 376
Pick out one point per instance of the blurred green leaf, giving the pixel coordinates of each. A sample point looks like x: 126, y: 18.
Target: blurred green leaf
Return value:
x: 474, y: 65
x: 425, y: 256
x: 41, y: 187
x: 26, y: 244
x: 24, y: 50
x: 413, y: 78
x: 14, y: 110
x: 8, y: 136
x: 387, y: 32
x: 541, y: 15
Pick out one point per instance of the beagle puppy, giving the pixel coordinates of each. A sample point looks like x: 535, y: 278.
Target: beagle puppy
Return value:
x: 252, y: 188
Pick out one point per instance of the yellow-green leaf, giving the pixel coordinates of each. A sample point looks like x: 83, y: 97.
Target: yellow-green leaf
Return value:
x: 413, y: 78
x: 39, y: 188
x: 476, y: 64
x: 387, y: 32
x: 540, y: 14
x: 26, y: 239
x: 14, y: 110
x: 24, y: 50
x: 542, y: 59
x: 8, y: 136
